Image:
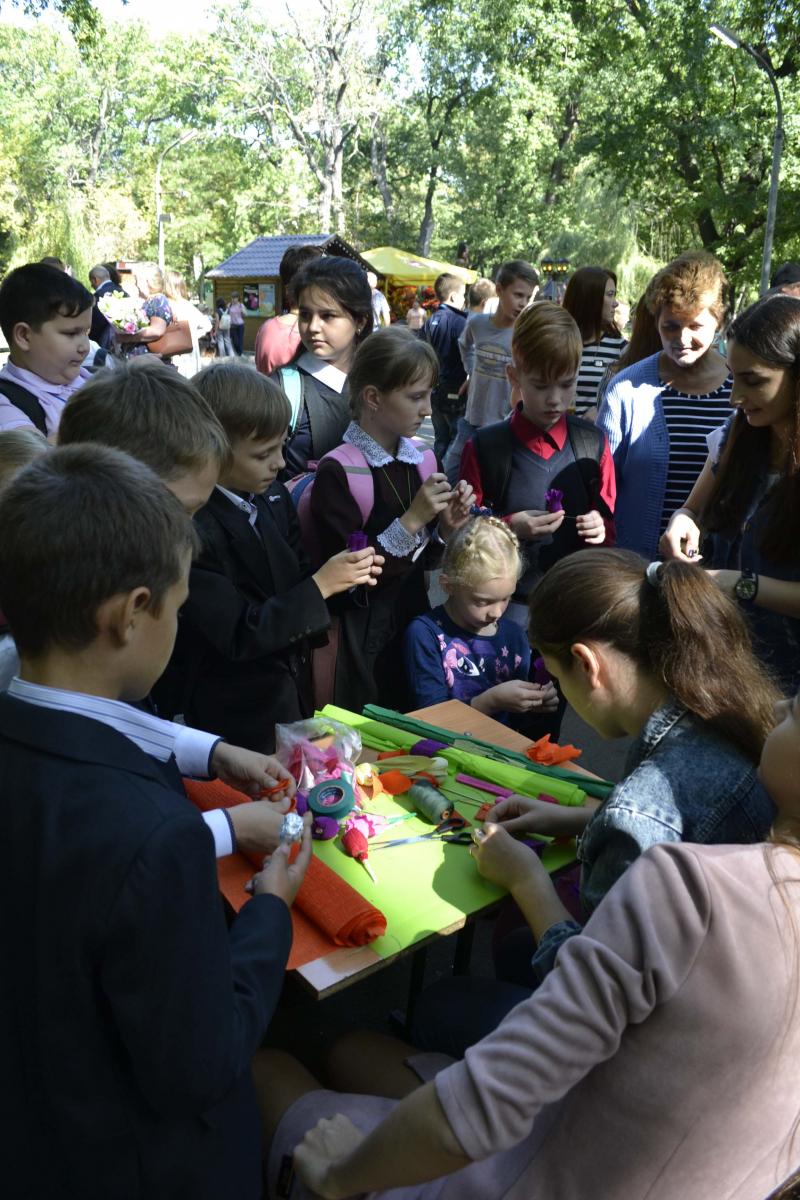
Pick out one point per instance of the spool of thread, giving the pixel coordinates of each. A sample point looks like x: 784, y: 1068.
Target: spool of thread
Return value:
x: 428, y: 747
x: 430, y: 803
x: 332, y: 798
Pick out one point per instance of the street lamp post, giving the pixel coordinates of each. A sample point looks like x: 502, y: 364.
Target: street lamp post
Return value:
x: 729, y: 38
x: 161, y: 219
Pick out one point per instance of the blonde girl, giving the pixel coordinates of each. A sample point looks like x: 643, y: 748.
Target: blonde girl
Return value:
x: 467, y: 649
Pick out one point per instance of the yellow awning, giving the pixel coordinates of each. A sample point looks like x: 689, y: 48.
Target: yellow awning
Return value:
x: 402, y: 267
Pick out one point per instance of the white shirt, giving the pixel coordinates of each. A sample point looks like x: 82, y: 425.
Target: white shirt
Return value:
x: 191, y: 748
x: 245, y: 506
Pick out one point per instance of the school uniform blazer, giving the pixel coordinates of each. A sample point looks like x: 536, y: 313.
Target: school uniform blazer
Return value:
x: 240, y: 660
x: 128, y: 1012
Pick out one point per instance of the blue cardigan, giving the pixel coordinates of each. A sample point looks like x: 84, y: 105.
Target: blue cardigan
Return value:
x: 632, y: 418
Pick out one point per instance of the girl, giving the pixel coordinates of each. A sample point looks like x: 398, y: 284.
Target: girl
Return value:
x: 222, y: 331
x: 658, y: 654
x: 390, y: 396
x: 466, y: 649
x: 644, y: 342
x: 236, y: 313
x: 565, y: 1089
x: 591, y: 298
x: 748, y: 494
x: 334, y: 317
x: 658, y: 413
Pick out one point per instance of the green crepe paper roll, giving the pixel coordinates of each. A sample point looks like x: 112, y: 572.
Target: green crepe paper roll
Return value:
x: 519, y: 779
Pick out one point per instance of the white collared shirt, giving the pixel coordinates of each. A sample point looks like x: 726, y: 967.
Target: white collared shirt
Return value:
x: 326, y: 373
x: 244, y: 505
x: 191, y: 748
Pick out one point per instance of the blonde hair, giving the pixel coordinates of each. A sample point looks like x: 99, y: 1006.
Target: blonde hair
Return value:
x: 18, y: 447
x: 175, y: 286
x: 485, y: 548
x: 547, y: 339
x: 152, y: 275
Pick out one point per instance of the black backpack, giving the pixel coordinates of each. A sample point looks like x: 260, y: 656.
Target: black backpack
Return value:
x: 26, y: 402
x: 494, y: 450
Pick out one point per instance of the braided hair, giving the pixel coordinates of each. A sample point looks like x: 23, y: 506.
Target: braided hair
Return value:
x: 484, y: 548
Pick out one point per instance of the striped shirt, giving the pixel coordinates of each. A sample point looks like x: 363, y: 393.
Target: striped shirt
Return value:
x: 690, y: 419
x: 595, y: 360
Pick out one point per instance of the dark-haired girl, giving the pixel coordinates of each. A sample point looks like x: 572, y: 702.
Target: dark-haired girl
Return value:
x: 747, y: 497
x: 334, y: 317
x: 591, y: 299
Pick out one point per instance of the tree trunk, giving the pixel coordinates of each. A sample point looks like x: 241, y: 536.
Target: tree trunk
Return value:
x: 555, y: 176
x: 377, y: 159
x: 428, y: 223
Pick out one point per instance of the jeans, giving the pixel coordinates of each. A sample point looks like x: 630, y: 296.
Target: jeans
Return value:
x: 224, y: 344
x: 237, y: 338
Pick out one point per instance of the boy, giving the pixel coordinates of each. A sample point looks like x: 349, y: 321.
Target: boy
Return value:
x: 146, y: 409
x: 242, y: 660
x: 481, y: 297
x: 130, y: 1014
x: 45, y: 316
x: 513, y: 465
x: 485, y: 346
x: 442, y: 331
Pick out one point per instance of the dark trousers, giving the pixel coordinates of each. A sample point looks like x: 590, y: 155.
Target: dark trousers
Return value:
x: 237, y: 338
x: 445, y: 413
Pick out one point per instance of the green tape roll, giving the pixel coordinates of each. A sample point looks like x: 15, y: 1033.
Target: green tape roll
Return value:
x: 332, y: 798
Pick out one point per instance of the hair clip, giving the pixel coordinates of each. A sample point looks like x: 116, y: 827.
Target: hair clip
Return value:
x: 653, y: 573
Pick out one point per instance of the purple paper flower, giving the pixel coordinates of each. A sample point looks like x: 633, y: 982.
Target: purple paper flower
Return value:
x: 554, y: 500
x: 540, y: 674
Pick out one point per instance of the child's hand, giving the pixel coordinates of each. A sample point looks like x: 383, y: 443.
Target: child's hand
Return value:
x: 250, y: 772
x: 430, y: 502
x: 278, y: 878
x: 532, y: 524
x: 501, y: 859
x: 517, y: 696
x: 348, y: 569
x: 457, y: 512
x: 258, y: 825
x: 591, y: 527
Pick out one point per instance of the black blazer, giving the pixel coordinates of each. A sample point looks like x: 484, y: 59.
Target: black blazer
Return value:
x: 241, y: 661
x: 128, y: 1012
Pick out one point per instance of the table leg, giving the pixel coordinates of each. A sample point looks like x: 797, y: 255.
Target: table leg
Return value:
x: 419, y: 960
x: 463, y: 950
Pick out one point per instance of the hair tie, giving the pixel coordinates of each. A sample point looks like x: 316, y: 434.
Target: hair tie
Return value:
x: 653, y: 573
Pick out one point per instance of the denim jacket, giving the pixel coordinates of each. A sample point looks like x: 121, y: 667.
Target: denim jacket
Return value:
x: 684, y: 782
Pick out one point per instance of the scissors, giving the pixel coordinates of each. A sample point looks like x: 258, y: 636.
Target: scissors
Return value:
x: 453, y: 830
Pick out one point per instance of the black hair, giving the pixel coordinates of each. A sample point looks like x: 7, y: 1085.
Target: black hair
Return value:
x: 346, y: 282
x: 37, y: 293
x: 294, y: 259
x: 79, y: 525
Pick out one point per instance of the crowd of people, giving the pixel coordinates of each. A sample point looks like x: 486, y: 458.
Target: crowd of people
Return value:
x: 190, y: 555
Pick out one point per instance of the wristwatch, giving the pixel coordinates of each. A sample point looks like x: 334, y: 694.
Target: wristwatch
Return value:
x: 746, y: 586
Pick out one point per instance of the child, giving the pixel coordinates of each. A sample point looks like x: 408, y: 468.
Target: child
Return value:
x: 747, y: 498
x: 146, y: 409
x: 334, y: 317
x: 479, y: 296
x: 658, y: 654
x: 686, y: 975
x: 485, y: 346
x: 242, y: 657
x: 277, y: 340
x: 131, y: 1014
x: 45, y: 316
x: 549, y: 475
x: 390, y: 388
x: 443, y: 331
x: 591, y: 298
x: 18, y: 447
x: 222, y: 331
x: 466, y: 649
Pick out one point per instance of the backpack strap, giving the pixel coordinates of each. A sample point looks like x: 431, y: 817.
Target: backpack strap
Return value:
x: 429, y: 464
x: 587, y: 443
x: 291, y: 382
x: 494, y: 451
x: 359, y: 476
x: 26, y: 402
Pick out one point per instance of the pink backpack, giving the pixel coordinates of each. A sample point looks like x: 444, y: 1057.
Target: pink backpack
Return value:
x: 359, y: 480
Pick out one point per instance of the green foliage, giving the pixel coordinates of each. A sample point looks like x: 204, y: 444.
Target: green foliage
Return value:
x: 607, y: 131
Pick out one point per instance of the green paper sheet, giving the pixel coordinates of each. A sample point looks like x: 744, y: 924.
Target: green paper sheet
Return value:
x: 446, y: 883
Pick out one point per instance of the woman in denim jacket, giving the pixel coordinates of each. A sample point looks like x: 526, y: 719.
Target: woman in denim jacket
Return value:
x: 747, y: 497
x: 657, y: 653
